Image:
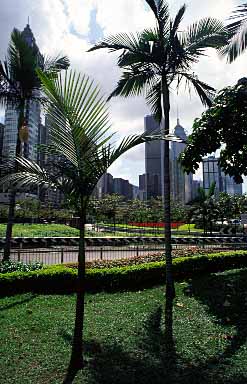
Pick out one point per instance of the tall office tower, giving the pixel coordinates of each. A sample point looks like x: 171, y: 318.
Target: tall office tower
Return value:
x: 142, y: 187
x: 152, y: 160
x: 181, y: 183
x: 104, y: 186
x: 135, y: 191
x: 195, y: 186
x: 123, y: 187
x: 1, y: 140
x: 32, y: 113
x: 213, y: 173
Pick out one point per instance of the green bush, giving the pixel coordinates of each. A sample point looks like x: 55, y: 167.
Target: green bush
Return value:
x: 12, y: 266
x: 61, y: 279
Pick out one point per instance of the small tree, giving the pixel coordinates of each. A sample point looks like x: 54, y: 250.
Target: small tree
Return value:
x: 20, y: 85
x: 81, y: 139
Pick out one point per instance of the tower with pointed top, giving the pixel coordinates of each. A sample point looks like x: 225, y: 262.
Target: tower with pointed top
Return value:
x: 32, y: 114
x: 181, y: 183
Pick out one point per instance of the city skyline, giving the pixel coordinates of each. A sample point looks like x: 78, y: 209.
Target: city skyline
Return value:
x: 71, y: 28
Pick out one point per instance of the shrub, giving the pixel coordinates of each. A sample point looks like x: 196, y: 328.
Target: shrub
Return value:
x: 12, y: 266
x: 61, y: 279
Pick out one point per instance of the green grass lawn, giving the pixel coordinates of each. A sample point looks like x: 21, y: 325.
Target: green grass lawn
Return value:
x: 61, y: 230
x: 124, y: 335
x: 40, y: 230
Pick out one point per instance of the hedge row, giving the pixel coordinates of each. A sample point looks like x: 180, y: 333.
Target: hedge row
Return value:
x: 61, y: 279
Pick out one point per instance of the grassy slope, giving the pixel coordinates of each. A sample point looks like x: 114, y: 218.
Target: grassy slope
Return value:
x: 124, y: 339
x: 40, y: 230
x: 61, y: 230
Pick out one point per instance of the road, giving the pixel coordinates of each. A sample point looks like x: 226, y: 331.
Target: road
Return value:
x: 68, y: 255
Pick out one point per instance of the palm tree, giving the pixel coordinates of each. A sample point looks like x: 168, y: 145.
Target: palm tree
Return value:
x: 82, y: 150
x: 20, y: 85
x: 238, y: 34
x: 154, y: 61
x: 205, y: 207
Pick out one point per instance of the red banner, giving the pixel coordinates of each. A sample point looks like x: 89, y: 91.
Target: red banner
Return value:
x: 155, y: 225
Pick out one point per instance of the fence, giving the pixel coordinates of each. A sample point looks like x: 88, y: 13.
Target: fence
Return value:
x: 66, y: 254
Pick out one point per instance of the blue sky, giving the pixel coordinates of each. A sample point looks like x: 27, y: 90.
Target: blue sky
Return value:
x: 72, y: 26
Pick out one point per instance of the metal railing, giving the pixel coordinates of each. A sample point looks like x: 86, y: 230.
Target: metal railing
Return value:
x: 64, y: 254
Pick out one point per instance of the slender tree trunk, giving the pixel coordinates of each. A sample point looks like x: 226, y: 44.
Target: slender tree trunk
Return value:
x: 76, y: 359
x: 170, y: 290
x: 12, y: 193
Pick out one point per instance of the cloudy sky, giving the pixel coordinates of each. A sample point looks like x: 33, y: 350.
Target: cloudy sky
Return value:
x: 73, y: 26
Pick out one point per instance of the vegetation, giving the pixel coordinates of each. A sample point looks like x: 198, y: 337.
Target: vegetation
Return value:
x: 124, y: 335
x: 61, y: 279
x: 13, y: 266
x: 41, y: 230
x: 219, y: 125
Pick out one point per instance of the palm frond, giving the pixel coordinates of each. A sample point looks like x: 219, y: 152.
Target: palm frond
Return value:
x: 132, y: 141
x: 204, y: 91
x: 54, y: 64
x: 30, y: 174
x: 118, y: 42
x: 178, y: 19
x: 238, y: 42
x: 206, y: 33
x: 133, y: 82
x: 79, y: 116
x: 153, y: 97
x: 22, y: 61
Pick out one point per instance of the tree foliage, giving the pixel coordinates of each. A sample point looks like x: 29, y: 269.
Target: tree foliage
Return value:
x: 223, y: 124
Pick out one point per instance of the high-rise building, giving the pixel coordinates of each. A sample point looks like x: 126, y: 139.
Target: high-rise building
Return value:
x: 135, y: 192
x: 104, y: 186
x: 123, y: 187
x: 213, y: 173
x: 32, y: 117
x: 181, y: 183
x: 195, y: 186
x: 152, y: 160
x: 1, y: 140
x: 142, y: 187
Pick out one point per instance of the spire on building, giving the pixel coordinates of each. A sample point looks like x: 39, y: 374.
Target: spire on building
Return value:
x: 179, y: 131
x: 28, y: 36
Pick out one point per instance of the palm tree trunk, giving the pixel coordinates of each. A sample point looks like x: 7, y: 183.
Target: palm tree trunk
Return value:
x: 11, y: 213
x: 170, y: 290
x: 76, y: 359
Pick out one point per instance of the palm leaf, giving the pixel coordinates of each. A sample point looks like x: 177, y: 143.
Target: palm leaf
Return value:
x: 204, y: 91
x: 154, y: 97
x: 118, y: 42
x: 133, y: 82
x: 206, y: 33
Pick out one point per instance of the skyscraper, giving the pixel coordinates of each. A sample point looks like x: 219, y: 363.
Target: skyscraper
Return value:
x: 152, y: 160
x: 1, y: 140
x: 32, y: 115
x: 213, y: 173
x: 181, y: 183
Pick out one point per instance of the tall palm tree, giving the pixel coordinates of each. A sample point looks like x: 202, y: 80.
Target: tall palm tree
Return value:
x: 154, y: 61
x: 19, y: 86
x: 80, y: 142
x: 238, y: 34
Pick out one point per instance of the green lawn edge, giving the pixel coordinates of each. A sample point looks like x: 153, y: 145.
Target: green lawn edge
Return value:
x: 62, y: 279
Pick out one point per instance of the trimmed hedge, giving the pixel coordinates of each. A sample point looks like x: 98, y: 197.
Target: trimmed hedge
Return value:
x: 61, y: 279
